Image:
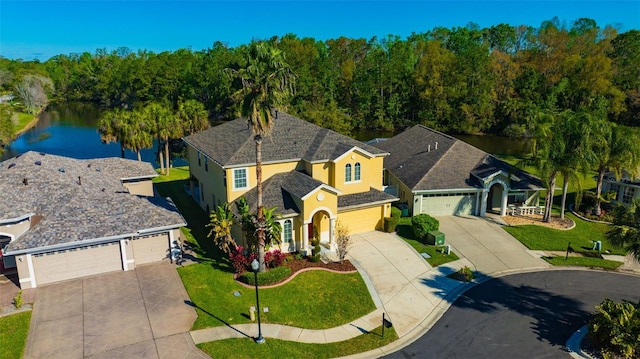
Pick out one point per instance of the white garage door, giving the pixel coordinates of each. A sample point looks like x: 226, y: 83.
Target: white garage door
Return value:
x: 77, y: 262
x: 449, y: 204
x: 150, y: 249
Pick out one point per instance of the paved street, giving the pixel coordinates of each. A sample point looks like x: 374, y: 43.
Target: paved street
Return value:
x: 529, y: 315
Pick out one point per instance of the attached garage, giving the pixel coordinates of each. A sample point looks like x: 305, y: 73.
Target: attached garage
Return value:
x: 447, y: 204
x: 77, y: 262
x: 151, y: 248
x: 361, y: 220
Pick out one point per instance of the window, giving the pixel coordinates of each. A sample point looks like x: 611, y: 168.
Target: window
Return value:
x: 206, y: 164
x: 347, y: 172
x: 199, y: 163
x: 356, y: 172
x: 628, y: 195
x: 615, y: 189
x: 240, y: 178
x: 286, y: 231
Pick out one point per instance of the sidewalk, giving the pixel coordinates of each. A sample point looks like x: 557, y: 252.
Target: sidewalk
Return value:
x: 411, y: 293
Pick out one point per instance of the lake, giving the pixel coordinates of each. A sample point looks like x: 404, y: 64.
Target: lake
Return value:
x: 71, y: 130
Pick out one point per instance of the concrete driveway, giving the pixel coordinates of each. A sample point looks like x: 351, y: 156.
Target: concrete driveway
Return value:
x: 488, y: 247
x: 134, y: 314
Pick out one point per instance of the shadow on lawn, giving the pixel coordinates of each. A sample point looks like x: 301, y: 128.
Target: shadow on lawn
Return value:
x: 192, y: 304
x: 554, y: 317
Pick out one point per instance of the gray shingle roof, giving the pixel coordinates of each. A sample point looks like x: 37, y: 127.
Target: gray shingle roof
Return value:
x: 425, y: 159
x: 365, y: 198
x: 231, y: 143
x: 95, y: 206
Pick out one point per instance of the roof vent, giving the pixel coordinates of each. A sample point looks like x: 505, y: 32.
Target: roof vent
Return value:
x: 436, y: 145
x: 38, y: 163
x: 25, y: 181
x: 89, y: 165
x: 11, y: 165
x: 80, y: 180
x: 42, y: 153
x: 428, y: 148
x: 61, y: 169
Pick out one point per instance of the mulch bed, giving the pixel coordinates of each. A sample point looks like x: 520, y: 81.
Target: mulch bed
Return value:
x: 298, y: 264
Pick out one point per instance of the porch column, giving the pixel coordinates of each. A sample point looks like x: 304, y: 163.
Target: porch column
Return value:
x: 332, y: 231
x: 305, y: 237
x: 483, y: 203
x: 503, y: 204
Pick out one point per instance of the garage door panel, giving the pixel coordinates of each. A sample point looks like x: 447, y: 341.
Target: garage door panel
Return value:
x: 150, y: 249
x: 449, y: 204
x: 362, y: 220
x: 77, y: 262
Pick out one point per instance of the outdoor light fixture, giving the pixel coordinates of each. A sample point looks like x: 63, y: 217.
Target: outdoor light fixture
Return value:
x: 255, y: 265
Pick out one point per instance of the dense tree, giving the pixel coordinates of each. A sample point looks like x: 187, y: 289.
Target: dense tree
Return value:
x: 266, y: 82
x: 193, y: 116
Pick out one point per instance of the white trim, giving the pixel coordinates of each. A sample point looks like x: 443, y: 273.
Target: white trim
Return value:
x: 318, y: 209
x: 32, y: 272
x: 233, y: 178
x: 368, y: 205
x: 355, y: 149
x: 17, y: 219
x: 325, y: 186
x: 448, y: 190
x: 123, y: 254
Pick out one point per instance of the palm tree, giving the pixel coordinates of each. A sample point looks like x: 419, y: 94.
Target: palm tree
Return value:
x: 165, y: 127
x: 138, y: 135
x: 193, y: 116
x: 221, y: 221
x: 110, y: 128
x: 267, y: 83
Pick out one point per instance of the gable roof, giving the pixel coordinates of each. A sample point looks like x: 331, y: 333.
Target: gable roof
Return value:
x: 231, y: 143
x: 78, y: 200
x: 425, y: 159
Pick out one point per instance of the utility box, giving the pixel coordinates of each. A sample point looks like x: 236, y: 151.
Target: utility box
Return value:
x: 435, y: 238
x: 404, y: 208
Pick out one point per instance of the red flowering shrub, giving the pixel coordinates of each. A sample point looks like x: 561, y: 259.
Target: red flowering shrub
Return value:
x: 241, y: 262
x: 274, y: 258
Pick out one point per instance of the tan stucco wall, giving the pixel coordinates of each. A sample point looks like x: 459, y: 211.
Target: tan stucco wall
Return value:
x: 212, y: 179
x: 362, y: 220
x: 404, y: 193
x: 140, y: 188
x: 16, y: 229
x: 323, y: 172
x: 268, y: 170
x: 312, y: 203
x: 23, y: 271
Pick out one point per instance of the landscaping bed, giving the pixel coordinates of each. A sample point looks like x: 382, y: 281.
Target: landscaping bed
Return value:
x: 295, y: 266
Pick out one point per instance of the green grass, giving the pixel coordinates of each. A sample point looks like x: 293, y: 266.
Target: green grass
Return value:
x: 13, y: 334
x: 584, y: 262
x: 437, y: 256
x: 23, y: 120
x: 314, y: 300
x: 542, y: 238
x: 274, y: 348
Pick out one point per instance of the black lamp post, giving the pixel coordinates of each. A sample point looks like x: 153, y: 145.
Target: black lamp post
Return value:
x: 255, y: 265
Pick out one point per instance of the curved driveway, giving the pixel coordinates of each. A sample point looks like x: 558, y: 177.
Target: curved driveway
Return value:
x: 528, y: 315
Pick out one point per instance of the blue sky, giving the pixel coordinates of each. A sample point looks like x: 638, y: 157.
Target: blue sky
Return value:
x: 40, y: 29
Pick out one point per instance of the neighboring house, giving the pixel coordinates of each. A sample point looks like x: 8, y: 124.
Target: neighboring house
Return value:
x: 440, y: 175
x: 314, y: 176
x: 63, y: 218
x: 625, y: 189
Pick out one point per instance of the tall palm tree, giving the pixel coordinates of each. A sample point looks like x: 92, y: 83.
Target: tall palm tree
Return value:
x: 138, y: 135
x: 165, y: 127
x: 110, y: 128
x: 267, y: 83
x: 193, y: 116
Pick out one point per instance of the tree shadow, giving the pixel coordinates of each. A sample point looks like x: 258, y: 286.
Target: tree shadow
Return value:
x: 194, y: 305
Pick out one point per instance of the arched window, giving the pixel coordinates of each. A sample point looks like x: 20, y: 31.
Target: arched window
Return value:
x: 286, y: 231
x: 347, y: 172
x: 356, y: 172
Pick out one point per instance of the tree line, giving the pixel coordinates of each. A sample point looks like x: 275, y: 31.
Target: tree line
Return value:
x: 464, y: 80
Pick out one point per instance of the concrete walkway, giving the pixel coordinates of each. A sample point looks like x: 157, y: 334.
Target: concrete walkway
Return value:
x: 411, y: 293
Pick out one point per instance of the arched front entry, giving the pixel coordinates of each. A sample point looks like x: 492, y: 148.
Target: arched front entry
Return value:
x: 321, y: 224
x: 495, y: 199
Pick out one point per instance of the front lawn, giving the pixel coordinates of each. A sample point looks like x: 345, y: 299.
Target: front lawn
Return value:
x: 584, y: 262
x: 581, y: 237
x: 13, y: 334
x: 315, y: 299
x: 437, y: 254
x: 275, y: 348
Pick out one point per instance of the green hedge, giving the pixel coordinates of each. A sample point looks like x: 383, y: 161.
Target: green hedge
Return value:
x: 396, y: 212
x: 423, y: 224
x: 390, y: 224
x: 272, y: 276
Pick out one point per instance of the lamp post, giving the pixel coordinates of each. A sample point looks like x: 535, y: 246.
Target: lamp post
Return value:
x: 255, y: 265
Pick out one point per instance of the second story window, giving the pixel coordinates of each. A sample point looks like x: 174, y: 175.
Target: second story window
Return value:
x: 347, y: 172
x: 240, y: 178
x: 356, y: 172
x: 206, y: 164
x: 199, y: 161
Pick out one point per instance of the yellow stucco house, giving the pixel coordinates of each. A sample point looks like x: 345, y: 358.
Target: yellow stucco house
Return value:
x: 313, y: 176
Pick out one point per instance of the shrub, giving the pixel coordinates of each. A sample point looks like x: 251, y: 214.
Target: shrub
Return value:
x: 390, y: 224
x: 423, y: 224
x: 272, y: 276
x: 343, y: 241
x: 274, y: 258
x: 17, y: 300
x: 616, y: 328
x: 466, y: 273
x: 241, y: 260
x: 396, y: 212
x: 315, y: 242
